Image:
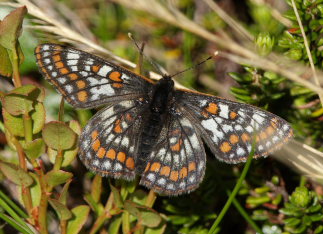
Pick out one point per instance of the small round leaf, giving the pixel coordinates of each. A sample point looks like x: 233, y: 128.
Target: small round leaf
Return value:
x: 59, y: 136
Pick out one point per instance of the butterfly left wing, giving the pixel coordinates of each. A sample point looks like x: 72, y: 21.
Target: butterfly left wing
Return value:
x: 85, y: 80
x: 228, y: 127
x: 177, y: 164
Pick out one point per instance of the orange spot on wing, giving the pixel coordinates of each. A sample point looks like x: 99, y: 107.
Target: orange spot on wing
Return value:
x: 233, y: 115
x: 234, y: 139
x: 155, y: 167
x: 121, y: 156
x: 147, y: 167
x: 212, y: 108
x: 82, y: 96
x: 96, y: 68
x: 263, y: 135
x: 225, y: 147
x: 101, y: 152
x: 273, y: 123
x: 64, y: 71
x: 73, y: 76
x: 111, y: 154
x: 117, y: 126
x: 192, y: 166
x: 37, y: 50
x: 177, y: 146
x: 117, y: 85
x: 57, y: 57
x: 165, y: 171
x: 38, y: 56
x: 129, y: 117
x: 270, y: 130
x: 94, y: 134
x: 245, y: 137
x: 96, y: 145
x: 174, y: 175
x: 80, y: 84
x: 130, y: 163
x: 205, y: 114
x: 115, y: 76
x: 59, y: 64
x: 183, y: 173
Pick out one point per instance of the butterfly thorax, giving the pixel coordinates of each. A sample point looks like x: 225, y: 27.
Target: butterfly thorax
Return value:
x: 159, y: 106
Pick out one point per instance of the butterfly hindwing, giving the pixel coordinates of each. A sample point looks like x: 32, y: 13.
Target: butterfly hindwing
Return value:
x: 228, y: 128
x: 177, y: 164
x: 109, y: 141
x: 85, y: 80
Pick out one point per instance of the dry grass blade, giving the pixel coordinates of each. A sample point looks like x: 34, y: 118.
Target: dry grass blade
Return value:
x: 303, y: 158
x: 308, y: 51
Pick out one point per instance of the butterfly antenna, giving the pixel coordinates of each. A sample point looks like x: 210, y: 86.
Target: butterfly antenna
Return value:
x: 192, y: 67
x: 156, y: 66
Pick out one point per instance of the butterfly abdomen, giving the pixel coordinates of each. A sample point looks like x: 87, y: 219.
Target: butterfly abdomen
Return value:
x: 154, y: 121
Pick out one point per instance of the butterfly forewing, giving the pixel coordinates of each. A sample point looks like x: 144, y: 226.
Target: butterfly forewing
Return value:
x: 229, y: 128
x: 86, y: 80
x: 177, y: 164
x: 109, y: 141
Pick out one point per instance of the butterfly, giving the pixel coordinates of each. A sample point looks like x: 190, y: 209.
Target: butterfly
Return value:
x: 151, y: 129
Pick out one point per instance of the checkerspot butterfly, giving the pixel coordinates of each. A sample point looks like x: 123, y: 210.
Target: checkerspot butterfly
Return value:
x: 150, y: 128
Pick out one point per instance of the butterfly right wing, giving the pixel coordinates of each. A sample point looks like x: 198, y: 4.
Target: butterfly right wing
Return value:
x: 229, y: 127
x: 109, y: 141
x: 85, y: 80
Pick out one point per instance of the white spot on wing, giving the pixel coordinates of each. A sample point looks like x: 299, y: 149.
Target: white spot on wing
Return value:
x: 69, y: 88
x: 47, y: 61
x: 73, y: 56
x: 161, y: 181
x: 107, y: 165
x: 240, y: 151
x: 45, y: 47
x: 224, y: 111
x: 117, y: 167
x: 259, y: 119
x: 72, y: 62
x: 151, y: 177
x: 104, y: 70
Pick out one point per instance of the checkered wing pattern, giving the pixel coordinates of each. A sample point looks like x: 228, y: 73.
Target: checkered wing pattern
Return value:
x: 229, y: 128
x: 177, y: 163
x: 86, y: 80
x: 109, y: 141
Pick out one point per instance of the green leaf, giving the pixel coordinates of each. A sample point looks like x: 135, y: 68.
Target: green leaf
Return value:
x: 292, y: 222
x: 96, y: 188
x: 64, y: 192
x: 301, y: 197
x: 14, y: 124
x: 80, y: 214
x: 58, y: 136
x: 35, y: 190
x: 5, y: 63
x: 62, y: 211
x: 34, y: 149
x: 38, y: 116
x: 17, y: 104
x: 116, y: 195
x: 16, y: 174
x: 56, y: 177
x: 10, y: 28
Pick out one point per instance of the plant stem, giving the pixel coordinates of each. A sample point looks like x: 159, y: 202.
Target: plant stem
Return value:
x: 42, y: 218
x: 15, y: 68
x: 28, y: 128
x: 106, y: 214
x: 58, y: 160
x: 125, y: 222
x: 151, y: 199
x: 244, y: 214
x: 233, y: 194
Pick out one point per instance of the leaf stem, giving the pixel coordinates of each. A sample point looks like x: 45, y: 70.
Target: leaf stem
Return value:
x: 28, y: 128
x: 15, y: 68
x: 233, y: 194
